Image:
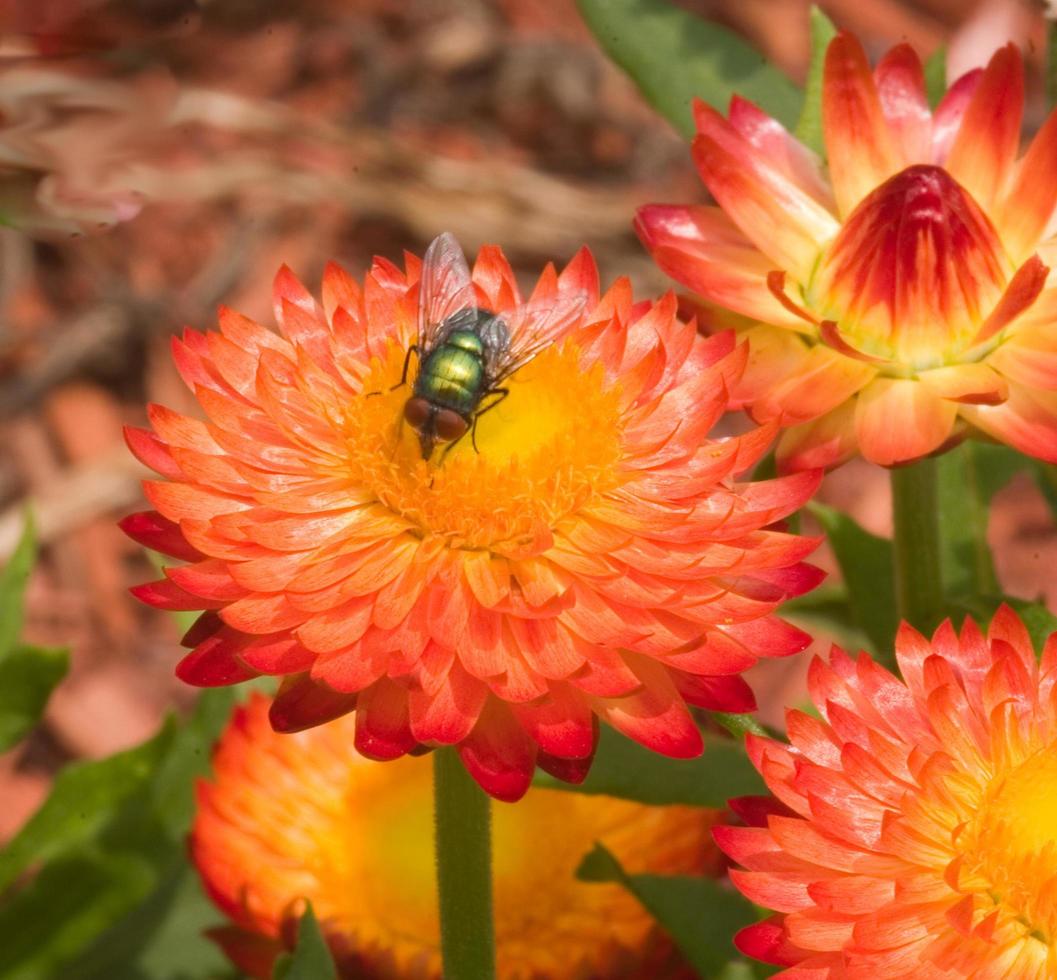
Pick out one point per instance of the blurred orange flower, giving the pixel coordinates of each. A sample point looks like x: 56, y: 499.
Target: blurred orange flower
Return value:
x: 303, y: 817
x: 903, y: 300
x: 584, y: 554
x: 913, y: 831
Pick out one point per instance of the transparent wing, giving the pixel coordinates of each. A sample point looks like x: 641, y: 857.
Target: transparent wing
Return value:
x: 532, y: 328
x: 445, y: 289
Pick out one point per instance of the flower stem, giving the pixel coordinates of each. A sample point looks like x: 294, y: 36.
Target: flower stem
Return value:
x: 464, y: 869
x: 916, y: 533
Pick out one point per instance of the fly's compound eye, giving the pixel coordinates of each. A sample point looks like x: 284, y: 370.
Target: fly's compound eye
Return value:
x: 417, y: 412
x: 449, y: 425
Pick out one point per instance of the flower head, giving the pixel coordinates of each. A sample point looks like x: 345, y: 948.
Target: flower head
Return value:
x: 901, y: 299
x: 359, y: 849
x: 581, y: 553
x: 915, y: 828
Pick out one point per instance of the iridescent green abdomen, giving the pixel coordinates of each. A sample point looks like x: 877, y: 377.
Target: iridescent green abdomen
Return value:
x: 452, y: 375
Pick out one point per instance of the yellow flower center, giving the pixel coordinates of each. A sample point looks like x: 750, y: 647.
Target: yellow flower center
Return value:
x: 544, y: 451
x: 1014, y: 842
x: 376, y: 877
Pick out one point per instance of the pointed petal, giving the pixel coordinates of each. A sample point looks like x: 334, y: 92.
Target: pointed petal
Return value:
x: 901, y: 89
x: 499, y: 754
x: 782, y: 221
x: 1027, y: 421
x: 1028, y: 205
x: 982, y: 156
x: 302, y: 703
x: 383, y: 728
x: 859, y: 145
x: 947, y: 119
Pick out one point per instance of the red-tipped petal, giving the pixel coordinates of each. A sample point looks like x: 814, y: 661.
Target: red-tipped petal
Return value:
x: 383, y: 729
x: 153, y: 531
x: 499, y: 754
x: 302, y: 703
x: 214, y: 663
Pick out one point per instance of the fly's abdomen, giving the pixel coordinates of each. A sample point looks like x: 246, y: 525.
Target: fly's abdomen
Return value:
x: 452, y: 377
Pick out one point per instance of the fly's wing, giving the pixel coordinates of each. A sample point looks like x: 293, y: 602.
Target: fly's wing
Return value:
x: 445, y: 289
x: 530, y: 329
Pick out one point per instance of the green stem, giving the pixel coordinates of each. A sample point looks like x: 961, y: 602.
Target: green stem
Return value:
x: 916, y: 533
x: 464, y: 870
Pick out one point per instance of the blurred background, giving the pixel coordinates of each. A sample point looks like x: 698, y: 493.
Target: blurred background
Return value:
x: 158, y: 157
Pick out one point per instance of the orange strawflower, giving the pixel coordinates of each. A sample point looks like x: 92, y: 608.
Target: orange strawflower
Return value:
x: 303, y: 817
x: 916, y: 833
x: 582, y: 552
x: 900, y: 300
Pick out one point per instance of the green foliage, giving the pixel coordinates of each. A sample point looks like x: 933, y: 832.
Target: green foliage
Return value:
x: 28, y: 675
x: 115, y: 830
x: 311, y: 960
x: 700, y: 914
x: 674, y: 56
x: 13, y: 587
x: 809, y: 125
x: 865, y: 561
x: 936, y: 76
x: 624, y: 768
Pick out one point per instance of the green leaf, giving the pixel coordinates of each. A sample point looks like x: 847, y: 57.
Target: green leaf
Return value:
x: 28, y: 675
x: 1037, y: 618
x: 700, y: 914
x: 53, y: 917
x: 674, y: 56
x: 624, y: 768
x: 311, y: 960
x: 866, y: 563
x: 969, y: 477
x: 809, y: 126
x: 13, y: 586
x: 82, y: 805
x: 828, y: 607
x: 936, y: 76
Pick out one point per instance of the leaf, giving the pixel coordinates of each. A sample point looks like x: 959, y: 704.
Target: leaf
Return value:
x: 13, y: 581
x: 311, y: 960
x: 700, y: 914
x: 866, y: 563
x: 936, y: 76
x: 70, y: 901
x: 28, y: 675
x: 674, y: 56
x: 1037, y: 618
x: 969, y: 477
x: 82, y: 805
x: 132, y: 807
x: 828, y: 607
x: 809, y: 126
x: 624, y: 768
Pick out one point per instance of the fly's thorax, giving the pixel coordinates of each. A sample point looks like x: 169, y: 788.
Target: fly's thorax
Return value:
x: 452, y: 377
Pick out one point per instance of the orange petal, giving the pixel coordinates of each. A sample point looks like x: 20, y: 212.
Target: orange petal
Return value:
x: 1028, y: 205
x: 987, y: 142
x: 947, y: 119
x: 898, y: 420
x: 1020, y: 294
x: 701, y: 248
x: 901, y: 89
x: 823, y: 381
x: 861, y: 150
x: 973, y: 384
x: 1027, y: 421
x: 823, y: 443
x: 781, y: 220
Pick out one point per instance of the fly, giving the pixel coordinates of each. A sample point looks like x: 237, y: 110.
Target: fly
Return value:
x: 464, y: 352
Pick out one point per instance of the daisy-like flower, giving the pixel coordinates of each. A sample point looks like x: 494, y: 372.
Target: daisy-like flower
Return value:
x: 915, y: 828
x: 581, y: 552
x: 899, y: 300
x: 289, y: 819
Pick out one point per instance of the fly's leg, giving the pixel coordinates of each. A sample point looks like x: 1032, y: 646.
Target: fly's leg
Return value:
x: 502, y: 393
x: 403, y: 374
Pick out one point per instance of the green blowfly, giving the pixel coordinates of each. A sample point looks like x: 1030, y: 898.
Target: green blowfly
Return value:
x: 464, y: 352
